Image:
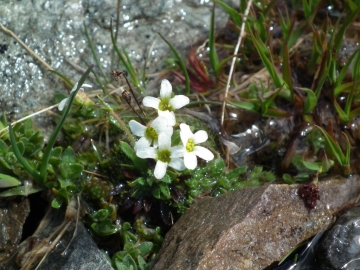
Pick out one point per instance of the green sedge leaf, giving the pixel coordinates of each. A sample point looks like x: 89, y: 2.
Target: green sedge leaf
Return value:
x: 246, y: 105
x: 333, y: 147
x: 310, y: 101
x: 214, y: 60
x: 343, y: 117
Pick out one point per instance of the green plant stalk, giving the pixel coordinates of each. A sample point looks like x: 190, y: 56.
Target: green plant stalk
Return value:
x: 46, y: 157
x: 94, y: 54
x: 21, y: 159
x: 214, y: 60
x: 181, y: 64
x: 287, y: 70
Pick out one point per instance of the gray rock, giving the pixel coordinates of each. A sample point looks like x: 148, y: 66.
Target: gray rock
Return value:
x: 54, y: 30
x: 251, y: 228
x: 13, y: 214
x: 340, y: 248
x: 82, y: 254
x: 52, y: 246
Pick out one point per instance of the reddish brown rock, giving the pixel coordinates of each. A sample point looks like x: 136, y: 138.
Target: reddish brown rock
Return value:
x: 251, y: 228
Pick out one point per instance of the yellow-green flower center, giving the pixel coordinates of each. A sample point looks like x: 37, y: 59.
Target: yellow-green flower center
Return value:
x: 165, y: 106
x: 190, y: 145
x: 151, y: 134
x: 164, y: 155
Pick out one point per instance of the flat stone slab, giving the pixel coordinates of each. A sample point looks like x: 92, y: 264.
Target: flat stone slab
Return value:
x: 253, y: 227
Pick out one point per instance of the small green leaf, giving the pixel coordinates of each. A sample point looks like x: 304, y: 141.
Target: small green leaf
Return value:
x: 105, y: 227
x: 20, y: 191
x: 288, y: 179
x: 21, y: 159
x: 68, y: 156
x: 165, y: 190
x: 139, y: 163
x: 57, y: 202
x: 129, y: 262
x: 7, y: 181
x: 145, y: 248
x: 314, y: 166
x: 102, y: 214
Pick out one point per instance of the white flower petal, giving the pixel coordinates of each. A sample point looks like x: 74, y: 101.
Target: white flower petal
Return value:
x: 170, y: 117
x: 74, y: 88
x: 203, y: 153
x: 86, y: 85
x: 177, y: 151
x: 137, y: 128
x: 177, y: 164
x: 165, y: 89
x: 149, y: 152
x: 151, y: 102
x: 164, y: 141
x: 200, y: 136
x: 190, y: 160
x: 160, y: 124
x: 142, y: 144
x: 185, y: 133
x: 62, y: 104
x: 160, y: 169
x: 179, y: 101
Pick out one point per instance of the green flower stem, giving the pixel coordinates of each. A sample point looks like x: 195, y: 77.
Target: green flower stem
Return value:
x: 45, y: 160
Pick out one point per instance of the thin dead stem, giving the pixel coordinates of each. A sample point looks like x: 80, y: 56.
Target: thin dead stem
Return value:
x: 27, y: 117
x: 241, y: 35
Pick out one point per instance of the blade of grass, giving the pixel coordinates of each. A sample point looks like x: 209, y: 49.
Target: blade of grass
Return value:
x: 310, y: 101
x: 48, y: 149
x: 181, y: 64
x: 234, y: 14
x: 333, y: 147
x: 94, y: 54
x: 286, y: 70
x: 214, y: 60
x: 343, y: 116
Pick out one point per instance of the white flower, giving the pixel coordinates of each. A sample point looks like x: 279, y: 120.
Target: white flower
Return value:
x: 149, y: 134
x: 165, y: 104
x: 191, y: 150
x: 64, y: 102
x: 164, y: 155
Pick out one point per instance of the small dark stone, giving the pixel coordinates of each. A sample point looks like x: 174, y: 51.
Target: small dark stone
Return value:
x: 3, y: 48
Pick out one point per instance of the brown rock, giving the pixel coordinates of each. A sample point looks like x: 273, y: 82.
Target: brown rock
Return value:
x: 251, y: 228
x: 13, y: 214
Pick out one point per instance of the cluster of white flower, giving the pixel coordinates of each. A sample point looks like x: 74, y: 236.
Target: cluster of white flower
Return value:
x: 158, y: 134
